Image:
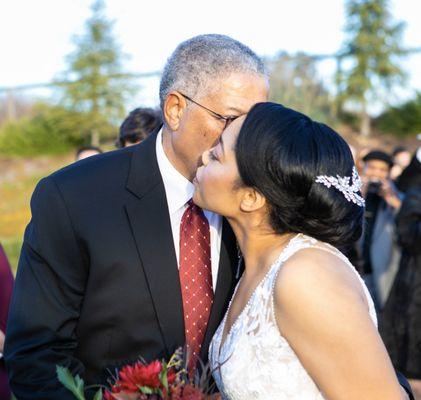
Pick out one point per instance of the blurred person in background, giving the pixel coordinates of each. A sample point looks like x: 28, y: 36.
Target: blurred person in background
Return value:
x: 401, y: 159
x: 359, y: 154
x: 6, y: 285
x: 379, y: 252
x: 137, y: 126
x: 87, y: 151
x: 400, y: 322
x: 411, y: 175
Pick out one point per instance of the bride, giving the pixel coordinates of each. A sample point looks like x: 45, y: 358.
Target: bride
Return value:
x: 301, y: 324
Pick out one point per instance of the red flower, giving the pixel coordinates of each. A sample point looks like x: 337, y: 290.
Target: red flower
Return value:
x: 192, y: 393
x: 171, y: 376
x: 108, y: 396
x: 138, y: 375
x: 125, y: 396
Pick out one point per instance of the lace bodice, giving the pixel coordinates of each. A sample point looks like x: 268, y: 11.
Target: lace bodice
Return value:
x: 255, y: 360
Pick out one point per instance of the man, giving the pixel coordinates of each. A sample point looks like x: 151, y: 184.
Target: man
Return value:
x: 102, y: 276
x: 137, y: 126
x: 380, y: 252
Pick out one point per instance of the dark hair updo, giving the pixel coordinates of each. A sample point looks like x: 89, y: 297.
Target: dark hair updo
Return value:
x: 280, y: 152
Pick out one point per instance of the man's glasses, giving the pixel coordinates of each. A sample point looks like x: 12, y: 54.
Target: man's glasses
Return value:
x: 227, y: 119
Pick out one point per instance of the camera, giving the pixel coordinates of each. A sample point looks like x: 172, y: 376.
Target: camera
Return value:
x: 374, y: 187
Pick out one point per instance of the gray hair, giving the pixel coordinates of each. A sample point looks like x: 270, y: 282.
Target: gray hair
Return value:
x: 201, y: 58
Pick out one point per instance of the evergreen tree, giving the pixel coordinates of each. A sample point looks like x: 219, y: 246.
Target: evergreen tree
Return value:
x: 374, y: 45
x: 99, y: 86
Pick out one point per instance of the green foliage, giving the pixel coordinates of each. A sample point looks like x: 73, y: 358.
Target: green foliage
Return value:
x: 374, y: 45
x: 98, y: 395
x: 51, y: 130
x: 74, y: 384
x: 294, y: 83
x: 404, y: 120
x: 350, y: 119
x: 99, y: 86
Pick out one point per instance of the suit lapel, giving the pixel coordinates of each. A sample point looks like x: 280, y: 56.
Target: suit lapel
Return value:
x: 226, y: 282
x: 149, y: 220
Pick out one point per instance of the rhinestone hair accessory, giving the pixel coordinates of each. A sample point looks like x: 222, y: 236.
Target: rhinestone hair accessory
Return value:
x: 350, y: 191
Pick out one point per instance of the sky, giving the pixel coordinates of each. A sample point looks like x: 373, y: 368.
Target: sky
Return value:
x: 35, y: 36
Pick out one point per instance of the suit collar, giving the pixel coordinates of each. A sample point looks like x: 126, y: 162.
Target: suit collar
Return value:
x: 144, y: 172
x: 178, y: 188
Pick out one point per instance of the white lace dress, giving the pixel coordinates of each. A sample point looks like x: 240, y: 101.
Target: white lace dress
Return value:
x: 255, y: 360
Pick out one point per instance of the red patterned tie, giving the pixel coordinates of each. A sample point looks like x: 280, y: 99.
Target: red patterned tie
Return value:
x: 195, y: 278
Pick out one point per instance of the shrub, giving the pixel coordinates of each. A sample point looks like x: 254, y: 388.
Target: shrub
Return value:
x: 51, y: 130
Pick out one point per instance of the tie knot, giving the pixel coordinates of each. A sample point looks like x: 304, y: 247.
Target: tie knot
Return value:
x: 194, y: 211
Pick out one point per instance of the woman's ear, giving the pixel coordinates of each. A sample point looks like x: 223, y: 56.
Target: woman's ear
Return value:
x: 252, y: 200
x: 173, y: 110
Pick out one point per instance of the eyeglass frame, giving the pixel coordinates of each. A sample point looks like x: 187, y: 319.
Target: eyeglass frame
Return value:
x: 227, y: 120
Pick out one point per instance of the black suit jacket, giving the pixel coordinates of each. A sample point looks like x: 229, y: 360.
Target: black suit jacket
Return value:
x: 97, y: 283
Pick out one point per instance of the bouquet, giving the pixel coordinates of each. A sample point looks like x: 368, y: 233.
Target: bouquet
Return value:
x: 158, y: 380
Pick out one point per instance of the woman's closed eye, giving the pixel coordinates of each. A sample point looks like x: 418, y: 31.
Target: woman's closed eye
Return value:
x: 212, y: 155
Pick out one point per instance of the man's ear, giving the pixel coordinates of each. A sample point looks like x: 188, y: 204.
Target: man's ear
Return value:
x: 252, y: 200
x: 174, y: 107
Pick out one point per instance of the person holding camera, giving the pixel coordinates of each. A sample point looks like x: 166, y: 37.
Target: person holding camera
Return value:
x: 378, y: 249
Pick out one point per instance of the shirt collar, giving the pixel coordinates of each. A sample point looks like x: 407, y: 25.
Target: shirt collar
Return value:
x: 178, y: 188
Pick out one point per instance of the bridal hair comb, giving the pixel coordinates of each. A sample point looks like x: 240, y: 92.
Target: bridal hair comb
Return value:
x: 342, y: 184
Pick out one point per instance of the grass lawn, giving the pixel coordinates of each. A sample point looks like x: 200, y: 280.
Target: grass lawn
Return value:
x: 18, y: 178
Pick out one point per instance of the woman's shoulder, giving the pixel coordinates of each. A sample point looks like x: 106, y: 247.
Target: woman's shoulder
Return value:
x: 312, y: 257
x: 317, y: 274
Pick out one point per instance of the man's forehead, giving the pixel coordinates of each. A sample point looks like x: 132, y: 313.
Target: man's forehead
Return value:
x: 238, y: 99
x: 236, y: 83
x: 377, y: 163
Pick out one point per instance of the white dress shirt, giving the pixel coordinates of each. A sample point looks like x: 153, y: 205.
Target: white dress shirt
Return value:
x: 179, y: 190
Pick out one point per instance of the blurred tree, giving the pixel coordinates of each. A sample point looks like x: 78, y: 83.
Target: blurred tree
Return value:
x: 99, y: 85
x: 403, y: 120
x: 374, y: 44
x: 14, y: 106
x: 294, y: 83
